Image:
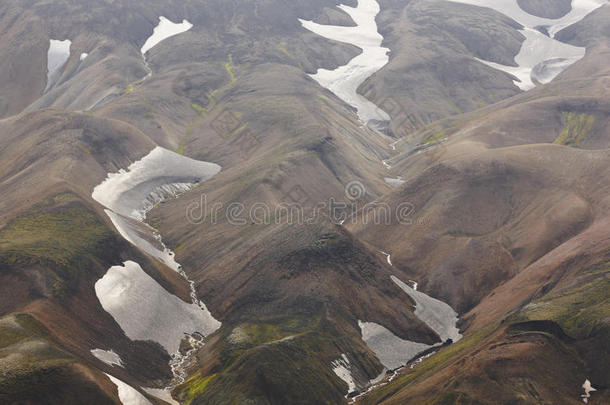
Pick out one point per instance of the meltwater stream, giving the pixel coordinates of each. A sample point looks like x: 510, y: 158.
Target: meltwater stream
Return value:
x: 141, y: 306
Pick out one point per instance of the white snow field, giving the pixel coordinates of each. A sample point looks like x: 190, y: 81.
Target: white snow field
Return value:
x: 108, y: 356
x: 588, y: 390
x: 392, y: 351
x: 57, y: 56
x: 341, y: 367
x: 345, y: 80
x: 394, y: 182
x: 146, y: 311
x: 160, y: 175
x: 162, y: 394
x: 510, y: 8
x: 439, y: 316
x: 165, y: 29
x: 541, y: 57
x: 127, y: 394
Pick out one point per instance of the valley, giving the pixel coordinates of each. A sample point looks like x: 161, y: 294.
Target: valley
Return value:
x: 318, y: 202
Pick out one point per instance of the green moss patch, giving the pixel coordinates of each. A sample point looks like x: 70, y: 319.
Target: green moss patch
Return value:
x: 434, y: 137
x: 195, y: 386
x: 579, y: 309
x: 283, y: 358
x: 59, y: 234
x: 576, y: 128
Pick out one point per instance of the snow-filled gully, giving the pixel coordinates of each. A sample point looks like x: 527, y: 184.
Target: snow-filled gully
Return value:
x: 57, y: 56
x: 141, y: 306
x: 392, y: 352
x: 345, y: 80
x: 395, y: 353
x: 541, y: 57
x: 165, y: 29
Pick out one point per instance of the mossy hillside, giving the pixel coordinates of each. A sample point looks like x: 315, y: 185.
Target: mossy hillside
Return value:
x: 195, y: 386
x: 212, y: 101
x: 61, y: 235
x: 34, y: 371
x: 434, y: 137
x: 577, y: 126
x: 581, y: 309
x: 15, y: 328
x: 279, y: 359
x: 26, y: 357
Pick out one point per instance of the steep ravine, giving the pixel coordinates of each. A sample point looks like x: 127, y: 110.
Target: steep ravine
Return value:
x: 392, y: 352
x: 142, y: 307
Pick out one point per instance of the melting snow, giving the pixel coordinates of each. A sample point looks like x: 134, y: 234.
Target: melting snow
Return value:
x: 137, y: 302
x: 541, y: 58
x: 394, y: 182
x: 108, y: 356
x: 439, y: 316
x: 387, y: 257
x: 588, y: 389
x: 345, y: 80
x: 392, y: 351
x: 162, y: 394
x: 341, y: 368
x: 165, y: 29
x: 160, y: 175
x: 144, y: 237
x: 510, y: 8
x: 127, y: 394
x: 57, y: 56
x: 146, y: 311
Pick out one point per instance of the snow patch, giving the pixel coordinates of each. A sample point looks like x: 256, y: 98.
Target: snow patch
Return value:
x: 588, y: 389
x: 541, y: 57
x: 146, y: 311
x: 510, y: 8
x: 387, y: 257
x: 160, y: 175
x: 57, y: 56
x: 345, y: 80
x: 162, y: 394
x: 127, y: 394
x: 145, y: 238
x: 108, y: 356
x: 341, y: 368
x: 394, y: 182
x: 392, y: 351
x: 83, y: 56
x: 165, y: 29
x: 439, y: 316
